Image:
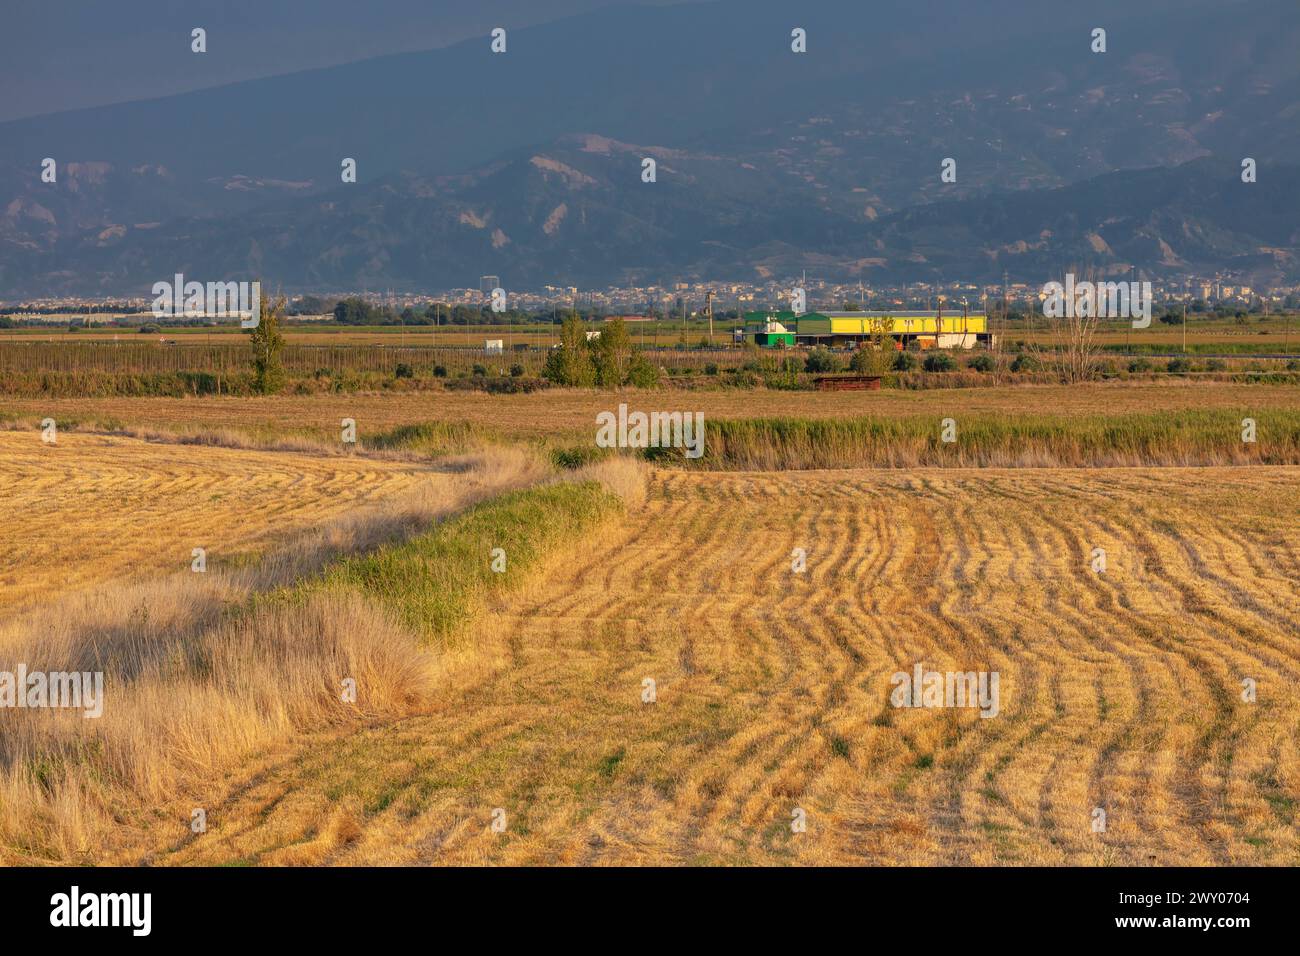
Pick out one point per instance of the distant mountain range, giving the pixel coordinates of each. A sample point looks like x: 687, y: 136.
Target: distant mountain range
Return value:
x: 528, y: 165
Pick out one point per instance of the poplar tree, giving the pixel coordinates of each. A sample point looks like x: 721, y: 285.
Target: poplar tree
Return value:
x: 268, y: 345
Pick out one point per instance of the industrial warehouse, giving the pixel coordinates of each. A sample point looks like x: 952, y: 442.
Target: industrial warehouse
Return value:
x: 924, y: 330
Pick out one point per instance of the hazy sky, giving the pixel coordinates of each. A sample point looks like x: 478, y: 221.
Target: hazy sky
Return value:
x: 66, y: 54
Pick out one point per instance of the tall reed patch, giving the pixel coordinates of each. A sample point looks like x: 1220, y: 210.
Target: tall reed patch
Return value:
x: 1213, y: 437
x: 432, y: 438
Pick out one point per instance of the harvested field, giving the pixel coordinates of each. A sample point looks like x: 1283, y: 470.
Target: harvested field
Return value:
x: 93, y: 507
x: 204, y: 671
x: 1120, y: 691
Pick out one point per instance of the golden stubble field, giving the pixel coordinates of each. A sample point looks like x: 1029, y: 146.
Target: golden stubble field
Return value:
x: 1119, y: 691
x: 91, y: 508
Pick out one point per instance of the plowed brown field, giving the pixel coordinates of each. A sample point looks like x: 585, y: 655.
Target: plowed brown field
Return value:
x: 1120, y: 691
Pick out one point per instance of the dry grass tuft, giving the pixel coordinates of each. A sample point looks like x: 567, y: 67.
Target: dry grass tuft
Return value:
x: 179, y: 711
x: 624, y: 475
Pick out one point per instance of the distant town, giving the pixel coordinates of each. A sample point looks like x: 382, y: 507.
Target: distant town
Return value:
x: 683, y: 299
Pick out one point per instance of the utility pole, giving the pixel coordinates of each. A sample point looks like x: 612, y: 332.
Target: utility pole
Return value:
x: 708, y: 309
x: 1002, y: 332
x: 1184, y: 326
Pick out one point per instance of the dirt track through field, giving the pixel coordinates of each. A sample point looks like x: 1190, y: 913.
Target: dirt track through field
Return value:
x: 1119, y: 691
x: 92, y: 508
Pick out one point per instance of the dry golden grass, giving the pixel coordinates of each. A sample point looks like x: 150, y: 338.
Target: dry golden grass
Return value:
x: 625, y: 476
x: 199, y: 676
x: 91, y: 507
x: 1120, y: 690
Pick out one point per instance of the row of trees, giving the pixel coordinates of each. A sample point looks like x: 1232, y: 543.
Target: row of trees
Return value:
x: 356, y: 311
x: 607, y: 359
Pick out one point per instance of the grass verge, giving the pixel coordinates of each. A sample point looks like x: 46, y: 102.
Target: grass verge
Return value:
x: 436, y: 582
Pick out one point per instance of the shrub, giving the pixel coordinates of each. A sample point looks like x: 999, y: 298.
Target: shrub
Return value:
x: 1139, y: 365
x: 576, y: 456
x: 821, y: 360
x: 939, y: 362
x: 1026, y: 363
x: 439, y: 371
x: 711, y: 368
x: 783, y: 373
x: 642, y: 373
x: 904, y: 362
x: 870, y: 360
x: 1216, y: 365
x: 570, y: 363
x: 1178, y: 366
x: 403, y: 371
x: 480, y: 371
x: 516, y: 371
x: 982, y: 363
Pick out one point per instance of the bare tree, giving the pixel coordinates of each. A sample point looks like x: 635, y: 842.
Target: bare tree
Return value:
x: 998, y: 329
x: 1073, y: 350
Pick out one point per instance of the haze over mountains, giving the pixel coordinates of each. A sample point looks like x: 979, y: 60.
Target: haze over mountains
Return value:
x: 527, y: 165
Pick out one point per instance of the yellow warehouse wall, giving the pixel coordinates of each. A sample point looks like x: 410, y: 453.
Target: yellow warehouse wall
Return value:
x: 951, y: 324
